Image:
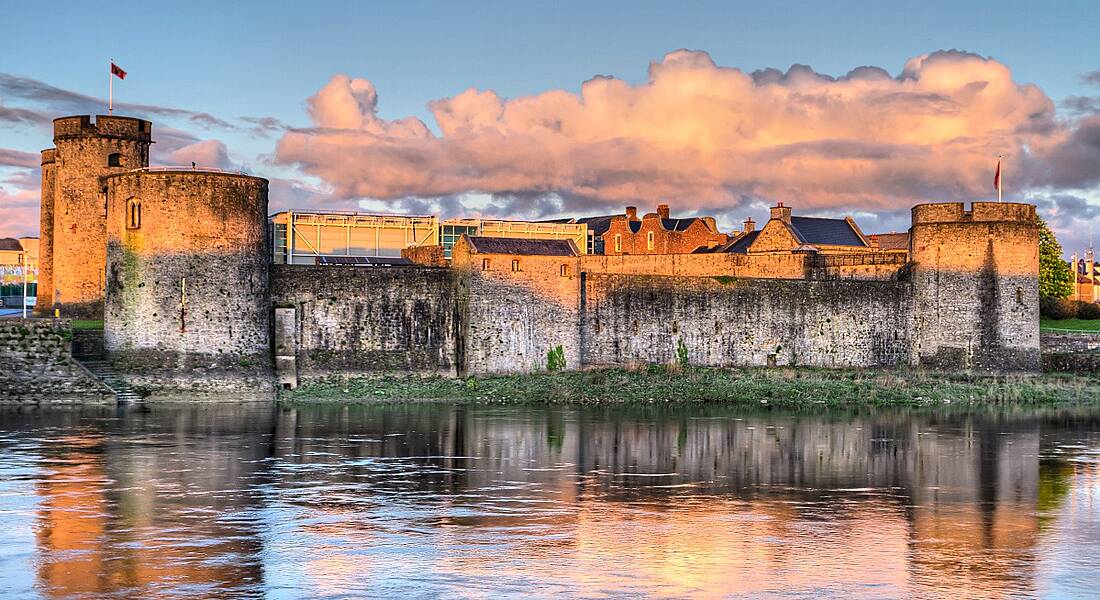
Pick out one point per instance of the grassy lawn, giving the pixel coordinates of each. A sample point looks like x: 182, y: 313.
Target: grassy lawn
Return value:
x: 87, y: 324
x: 1069, y: 325
x: 788, y: 387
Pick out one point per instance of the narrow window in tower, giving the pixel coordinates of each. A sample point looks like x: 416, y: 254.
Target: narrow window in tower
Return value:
x: 565, y: 270
x: 485, y: 264
x: 114, y: 160
x: 649, y: 241
x: 133, y: 213
x: 515, y: 265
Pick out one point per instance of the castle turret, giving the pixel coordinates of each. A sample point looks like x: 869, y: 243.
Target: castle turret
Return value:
x: 85, y: 152
x: 976, y: 286
x: 188, y: 303
x: 45, y: 228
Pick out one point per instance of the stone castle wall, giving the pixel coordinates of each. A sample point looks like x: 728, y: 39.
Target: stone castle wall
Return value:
x: 638, y: 319
x: 509, y: 320
x: 188, y: 301
x: 36, y: 365
x: 45, y: 242
x: 345, y: 321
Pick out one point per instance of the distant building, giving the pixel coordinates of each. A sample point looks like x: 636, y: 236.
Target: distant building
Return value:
x: 658, y: 233
x: 18, y: 256
x: 890, y: 241
x: 301, y: 237
x: 1086, y: 278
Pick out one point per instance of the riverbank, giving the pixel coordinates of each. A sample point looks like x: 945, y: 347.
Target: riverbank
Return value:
x: 776, y: 387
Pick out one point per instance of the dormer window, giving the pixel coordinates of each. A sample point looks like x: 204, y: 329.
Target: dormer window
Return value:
x: 114, y: 160
x: 133, y: 213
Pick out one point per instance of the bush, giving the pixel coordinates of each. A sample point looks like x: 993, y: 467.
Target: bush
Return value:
x: 555, y: 359
x: 1057, y: 308
x: 1088, y: 310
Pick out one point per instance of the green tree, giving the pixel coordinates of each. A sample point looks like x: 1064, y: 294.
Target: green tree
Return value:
x: 1055, y: 277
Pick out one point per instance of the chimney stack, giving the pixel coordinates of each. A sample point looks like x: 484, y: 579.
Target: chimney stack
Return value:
x: 750, y: 225
x: 662, y: 210
x: 783, y: 213
x: 632, y: 213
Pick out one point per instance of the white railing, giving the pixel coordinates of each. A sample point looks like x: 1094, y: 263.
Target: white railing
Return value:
x: 197, y: 169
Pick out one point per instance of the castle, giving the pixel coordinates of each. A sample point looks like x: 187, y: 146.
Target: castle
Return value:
x: 176, y: 262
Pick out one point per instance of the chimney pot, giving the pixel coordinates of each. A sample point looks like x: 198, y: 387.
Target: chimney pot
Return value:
x: 662, y: 209
x: 632, y: 213
x: 750, y: 225
x: 783, y: 213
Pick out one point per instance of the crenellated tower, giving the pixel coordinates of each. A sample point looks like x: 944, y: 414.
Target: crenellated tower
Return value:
x: 976, y: 286
x: 73, y: 223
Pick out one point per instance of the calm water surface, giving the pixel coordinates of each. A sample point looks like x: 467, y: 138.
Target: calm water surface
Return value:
x: 458, y: 500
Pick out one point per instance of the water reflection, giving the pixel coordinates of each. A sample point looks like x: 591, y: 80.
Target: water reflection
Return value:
x: 431, y: 499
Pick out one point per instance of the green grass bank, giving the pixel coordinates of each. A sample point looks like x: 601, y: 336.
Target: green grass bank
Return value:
x: 1069, y: 325
x: 775, y: 387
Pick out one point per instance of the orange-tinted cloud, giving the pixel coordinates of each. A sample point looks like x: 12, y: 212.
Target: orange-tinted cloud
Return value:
x: 18, y: 212
x: 708, y: 137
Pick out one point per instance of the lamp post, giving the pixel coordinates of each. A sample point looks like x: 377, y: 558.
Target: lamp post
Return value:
x: 25, y: 260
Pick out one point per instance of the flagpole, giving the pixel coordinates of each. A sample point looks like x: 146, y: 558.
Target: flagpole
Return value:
x: 1001, y: 178
x: 110, y: 89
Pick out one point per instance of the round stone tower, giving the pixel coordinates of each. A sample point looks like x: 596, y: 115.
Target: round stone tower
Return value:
x: 85, y: 152
x: 45, y: 228
x: 976, y: 286
x: 188, y: 305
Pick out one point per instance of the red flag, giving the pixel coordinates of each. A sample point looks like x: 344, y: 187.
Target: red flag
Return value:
x: 117, y: 71
x: 997, y: 177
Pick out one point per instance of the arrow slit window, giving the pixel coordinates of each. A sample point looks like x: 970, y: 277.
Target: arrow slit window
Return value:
x: 133, y: 213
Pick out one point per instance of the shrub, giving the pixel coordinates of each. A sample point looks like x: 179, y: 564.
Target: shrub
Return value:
x: 1058, y: 308
x: 682, y: 355
x: 1088, y: 310
x: 555, y: 359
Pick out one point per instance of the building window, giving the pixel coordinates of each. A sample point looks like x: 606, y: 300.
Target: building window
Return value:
x: 114, y: 160
x: 649, y: 241
x: 565, y: 270
x: 485, y: 264
x: 133, y: 213
x: 618, y: 242
x: 515, y: 265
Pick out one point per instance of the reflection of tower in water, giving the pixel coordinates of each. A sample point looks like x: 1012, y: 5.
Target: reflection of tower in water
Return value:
x: 117, y: 516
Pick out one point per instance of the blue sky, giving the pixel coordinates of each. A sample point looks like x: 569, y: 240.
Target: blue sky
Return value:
x: 243, y: 59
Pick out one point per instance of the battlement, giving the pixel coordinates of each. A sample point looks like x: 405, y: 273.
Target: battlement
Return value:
x: 104, y: 126
x: 982, y: 212
x: 187, y: 173
x: 49, y: 156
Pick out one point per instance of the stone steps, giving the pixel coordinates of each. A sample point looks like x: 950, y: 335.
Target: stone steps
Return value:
x: 107, y: 374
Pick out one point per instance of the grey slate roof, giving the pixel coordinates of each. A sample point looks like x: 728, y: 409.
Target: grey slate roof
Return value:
x: 678, y: 224
x: 524, y: 246
x: 741, y: 244
x: 10, y: 244
x: 833, y: 232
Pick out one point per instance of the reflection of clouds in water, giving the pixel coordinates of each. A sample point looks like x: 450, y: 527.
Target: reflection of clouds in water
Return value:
x: 627, y: 500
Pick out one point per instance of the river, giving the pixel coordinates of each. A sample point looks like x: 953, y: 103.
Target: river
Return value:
x: 438, y: 499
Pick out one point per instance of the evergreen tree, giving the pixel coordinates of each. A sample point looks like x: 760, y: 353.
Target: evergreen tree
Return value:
x: 1055, y: 277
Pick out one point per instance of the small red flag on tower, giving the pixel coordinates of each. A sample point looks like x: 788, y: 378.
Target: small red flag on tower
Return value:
x: 997, y: 177
x: 117, y: 71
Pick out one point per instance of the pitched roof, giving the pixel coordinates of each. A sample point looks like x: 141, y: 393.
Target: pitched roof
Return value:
x: 742, y: 243
x: 524, y: 246
x: 10, y: 244
x: 891, y: 241
x: 597, y: 225
x: 832, y: 232
x: 678, y: 224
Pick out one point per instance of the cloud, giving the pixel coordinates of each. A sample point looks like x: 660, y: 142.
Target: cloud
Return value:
x: 1091, y: 78
x: 59, y: 99
x: 18, y: 158
x: 19, y: 212
x: 207, y: 153
x: 1082, y: 104
x: 707, y: 137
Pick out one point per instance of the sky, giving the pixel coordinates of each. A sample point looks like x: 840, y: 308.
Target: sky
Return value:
x: 539, y: 110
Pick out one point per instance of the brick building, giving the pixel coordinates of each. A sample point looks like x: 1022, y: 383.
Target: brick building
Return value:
x: 658, y: 233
